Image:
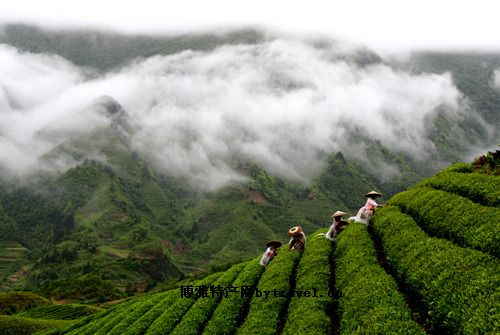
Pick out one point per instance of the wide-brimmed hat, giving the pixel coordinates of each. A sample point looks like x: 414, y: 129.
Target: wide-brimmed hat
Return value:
x: 275, y: 244
x: 294, y: 231
x: 338, y: 213
x: 374, y: 193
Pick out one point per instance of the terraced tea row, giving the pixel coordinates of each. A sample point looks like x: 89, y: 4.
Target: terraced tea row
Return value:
x: 61, y: 312
x: 70, y: 326
x: 309, y: 314
x: 142, y: 323
x: 230, y: 312
x: 195, y: 319
x: 106, y: 323
x: 459, y: 286
x: 91, y: 323
x: 450, y: 216
x: 369, y: 299
x: 266, y: 314
x: 16, y: 325
x: 292, y: 296
x: 169, y: 318
x: 478, y: 187
x: 131, y: 316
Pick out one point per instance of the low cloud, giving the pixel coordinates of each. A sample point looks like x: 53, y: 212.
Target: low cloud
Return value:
x: 496, y: 79
x: 284, y: 103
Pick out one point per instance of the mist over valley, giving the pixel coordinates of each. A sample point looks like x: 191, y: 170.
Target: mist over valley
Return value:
x: 130, y: 161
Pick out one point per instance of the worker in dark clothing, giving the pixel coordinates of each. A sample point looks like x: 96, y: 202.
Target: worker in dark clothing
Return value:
x: 297, y: 238
x: 337, y: 226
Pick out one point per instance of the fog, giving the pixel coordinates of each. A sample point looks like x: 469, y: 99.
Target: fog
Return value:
x: 284, y: 103
x: 496, y: 79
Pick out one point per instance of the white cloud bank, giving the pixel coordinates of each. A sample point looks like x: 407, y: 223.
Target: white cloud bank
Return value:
x: 283, y: 103
x: 496, y: 79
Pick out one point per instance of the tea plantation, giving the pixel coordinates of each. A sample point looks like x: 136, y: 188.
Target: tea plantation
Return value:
x: 428, y: 264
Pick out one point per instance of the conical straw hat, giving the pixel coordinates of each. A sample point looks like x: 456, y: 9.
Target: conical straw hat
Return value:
x: 377, y: 194
x: 294, y: 231
x: 275, y: 244
x: 338, y: 213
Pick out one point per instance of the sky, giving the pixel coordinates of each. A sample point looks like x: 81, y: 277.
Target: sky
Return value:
x: 384, y: 25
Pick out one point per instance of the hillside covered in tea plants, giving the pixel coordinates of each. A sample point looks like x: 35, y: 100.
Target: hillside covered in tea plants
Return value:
x: 428, y: 264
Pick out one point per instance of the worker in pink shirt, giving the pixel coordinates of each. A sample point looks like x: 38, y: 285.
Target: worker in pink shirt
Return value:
x: 371, y: 204
x: 365, y: 213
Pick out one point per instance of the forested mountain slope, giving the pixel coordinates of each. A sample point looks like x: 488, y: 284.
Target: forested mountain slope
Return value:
x: 408, y: 272
x: 107, y: 215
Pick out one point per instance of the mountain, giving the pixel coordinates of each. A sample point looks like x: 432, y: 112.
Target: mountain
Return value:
x: 116, y: 223
x: 415, y: 270
x: 89, y: 231
x: 122, y: 226
x: 473, y: 74
x: 107, y: 50
x: 116, y: 227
